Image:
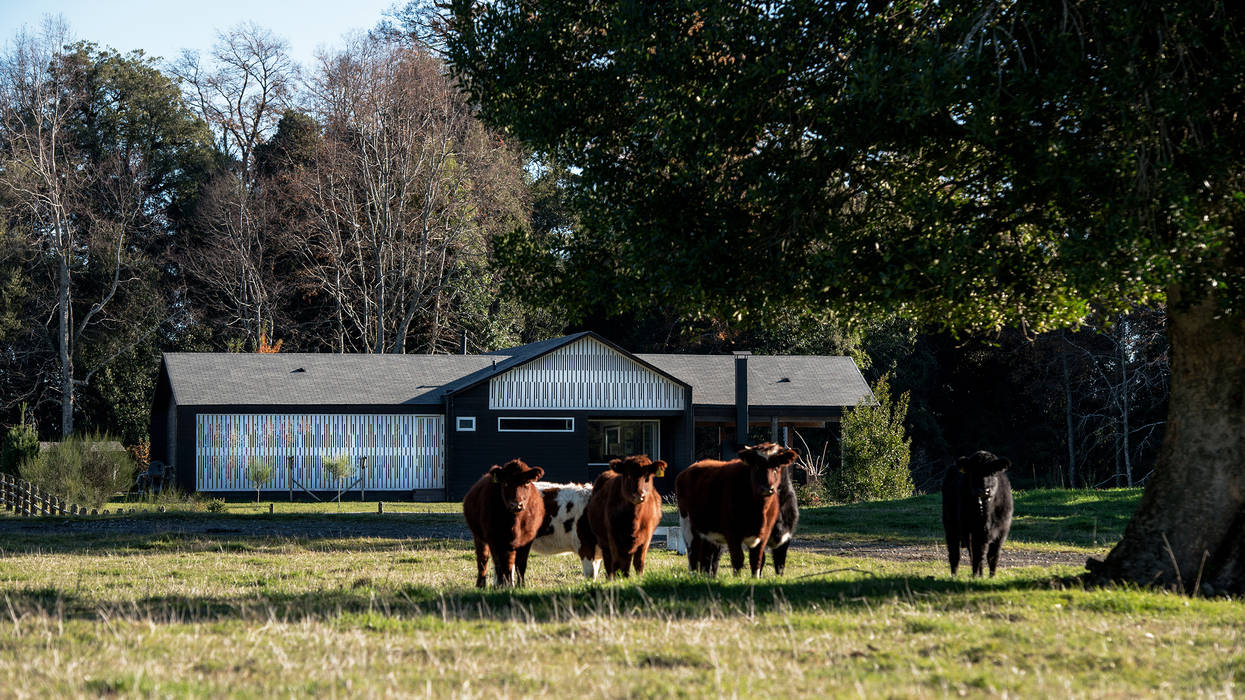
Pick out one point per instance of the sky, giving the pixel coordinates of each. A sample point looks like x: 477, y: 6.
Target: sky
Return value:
x: 165, y: 28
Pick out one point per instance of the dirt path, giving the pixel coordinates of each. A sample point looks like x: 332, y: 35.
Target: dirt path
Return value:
x: 1011, y: 556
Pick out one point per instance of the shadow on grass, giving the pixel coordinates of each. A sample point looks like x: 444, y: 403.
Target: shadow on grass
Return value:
x: 658, y: 597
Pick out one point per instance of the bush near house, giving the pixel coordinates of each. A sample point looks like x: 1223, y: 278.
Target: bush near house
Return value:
x: 875, y: 451
x: 84, y: 469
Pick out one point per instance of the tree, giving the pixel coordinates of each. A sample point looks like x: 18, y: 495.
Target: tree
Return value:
x: 259, y: 473
x: 240, y: 91
x: 98, y: 151
x: 405, y: 195
x: 876, y: 452
x: 970, y: 163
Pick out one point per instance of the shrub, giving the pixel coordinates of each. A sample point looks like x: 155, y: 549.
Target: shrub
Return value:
x: 82, y: 469
x: 215, y: 505
x: 21, y: 443
x: 259, y: 472
x: 875, y: 452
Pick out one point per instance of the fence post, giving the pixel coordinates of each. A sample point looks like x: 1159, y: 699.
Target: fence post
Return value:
x: 362, y: 479
x: 290, y: 480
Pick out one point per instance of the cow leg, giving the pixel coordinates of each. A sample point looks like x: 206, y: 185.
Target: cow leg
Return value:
x: 592, y: 567
x: 637, y: 560
x: 736, y: 549
x: 953, y: 550
x: 520, y: 564
x: 481, y: 562
x: 780, y: 557
x: 756, y: 559
x: 976, y: 551
x: 503, y: 565
x: 622, y: 557
x: 992, y: 555
x: 713, y: 557
x: 696, y: 562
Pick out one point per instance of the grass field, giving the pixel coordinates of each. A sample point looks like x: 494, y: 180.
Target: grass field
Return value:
x: 229, y: 615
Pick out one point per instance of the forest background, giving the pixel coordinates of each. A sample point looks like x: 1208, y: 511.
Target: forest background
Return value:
x: 237, y: 201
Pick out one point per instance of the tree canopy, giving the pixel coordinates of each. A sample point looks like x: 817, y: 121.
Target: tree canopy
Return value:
x: 972, y: 163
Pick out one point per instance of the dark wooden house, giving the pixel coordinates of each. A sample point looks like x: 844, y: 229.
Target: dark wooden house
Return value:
x: 429, y: 425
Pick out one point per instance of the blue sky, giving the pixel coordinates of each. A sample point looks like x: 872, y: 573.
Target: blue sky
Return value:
x: 164, y: 28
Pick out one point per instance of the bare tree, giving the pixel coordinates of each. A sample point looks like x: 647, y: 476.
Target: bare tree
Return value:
x: 240, y: 91
x: 407, y: 191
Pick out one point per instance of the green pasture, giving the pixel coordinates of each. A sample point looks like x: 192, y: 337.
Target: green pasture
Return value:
x: 228, y: 615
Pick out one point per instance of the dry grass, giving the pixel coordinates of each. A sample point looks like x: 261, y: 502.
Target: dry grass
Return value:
x: 249, y: 617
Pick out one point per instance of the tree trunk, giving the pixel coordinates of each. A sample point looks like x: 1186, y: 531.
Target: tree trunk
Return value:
x: 65, y: 350
x: 1067, y: 413
x: 1190, y: 526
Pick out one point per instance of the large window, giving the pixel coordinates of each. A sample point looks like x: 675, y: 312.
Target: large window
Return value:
x: 609, y: 439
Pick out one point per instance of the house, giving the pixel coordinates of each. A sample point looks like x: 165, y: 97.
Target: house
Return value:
x: 429, y: 425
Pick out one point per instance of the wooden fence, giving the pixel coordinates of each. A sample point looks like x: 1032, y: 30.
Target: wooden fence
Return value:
x: 21, y: 497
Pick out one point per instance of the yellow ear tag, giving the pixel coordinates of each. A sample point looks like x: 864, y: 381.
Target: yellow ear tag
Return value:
x: 661, y: 471
x: 495, y: 481
x: 962, y: 471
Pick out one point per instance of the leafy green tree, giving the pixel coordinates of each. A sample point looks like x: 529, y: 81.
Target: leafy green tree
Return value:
x: 876, y: 451
x: 966, y: 162
x: 259, y: 473
x: 21, y: 443
x: 340, y: 468
x: 99, y: 154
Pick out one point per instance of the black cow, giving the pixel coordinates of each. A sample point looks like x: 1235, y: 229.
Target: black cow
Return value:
x: 977, y: 509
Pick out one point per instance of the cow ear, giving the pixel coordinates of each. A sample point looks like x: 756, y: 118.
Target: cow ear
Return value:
x: 494, y: 472
x: 787, y: 456
x: 659, y: 467
x: 533, y: 474
x: 1000, y: 465
x: 615, y: 464
x: 961, y: 465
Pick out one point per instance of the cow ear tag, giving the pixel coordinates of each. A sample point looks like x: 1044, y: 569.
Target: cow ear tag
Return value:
x: 962, y: 471
x: 661, y: 471
x: 495, y: 481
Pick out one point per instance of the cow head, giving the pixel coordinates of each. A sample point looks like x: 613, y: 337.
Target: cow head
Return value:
x: 513, y: 481
x: 981, y: 472
x: 766, y: 462
x: 637, y: 473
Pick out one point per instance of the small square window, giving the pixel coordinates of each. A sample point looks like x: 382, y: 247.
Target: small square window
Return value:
x: 466, y: 424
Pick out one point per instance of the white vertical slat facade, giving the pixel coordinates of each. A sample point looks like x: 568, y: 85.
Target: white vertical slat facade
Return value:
x: 585, y: 375
x: 404, y: 452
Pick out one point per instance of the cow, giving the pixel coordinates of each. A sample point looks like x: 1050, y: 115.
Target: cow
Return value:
x: 565, y: 528
x: 732, y: 504
x: 504, y: 511
x: 977, y: 509
x: 623, y: 512
x: 784, y: 526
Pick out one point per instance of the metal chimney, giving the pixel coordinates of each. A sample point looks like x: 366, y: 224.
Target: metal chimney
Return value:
x: 741, y: 397
x: 463, y: 342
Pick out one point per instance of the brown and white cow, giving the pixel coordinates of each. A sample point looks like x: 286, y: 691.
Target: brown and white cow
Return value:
x: 565, y: 528
x: 732, y: 504
x: 504, y: 511
x: 623, y: 512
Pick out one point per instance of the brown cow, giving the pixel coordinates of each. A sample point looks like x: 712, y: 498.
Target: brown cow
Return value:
x: 504, y: 511
x: 623, y: 512
x: 731, y: 503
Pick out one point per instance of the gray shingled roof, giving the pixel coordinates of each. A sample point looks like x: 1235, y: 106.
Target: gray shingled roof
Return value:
x: 326, y: 379
x: 334, y: 379
x: 812, y: 380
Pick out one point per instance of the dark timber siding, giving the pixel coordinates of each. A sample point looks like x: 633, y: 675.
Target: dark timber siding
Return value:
x: 563, y: 456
